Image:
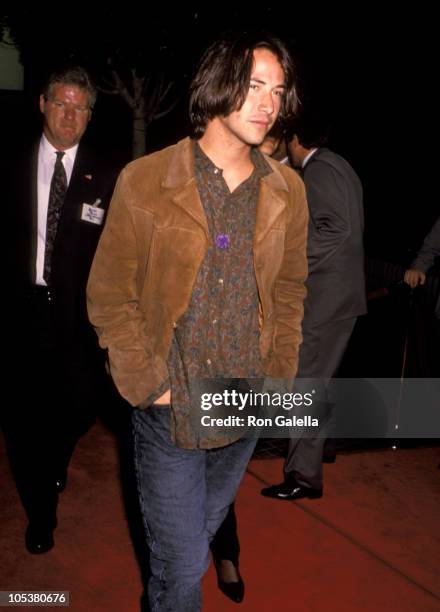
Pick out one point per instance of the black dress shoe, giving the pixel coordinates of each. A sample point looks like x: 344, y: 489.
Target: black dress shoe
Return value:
x: 291, y: 490
x: 39, y: 539
x: 233, y: 590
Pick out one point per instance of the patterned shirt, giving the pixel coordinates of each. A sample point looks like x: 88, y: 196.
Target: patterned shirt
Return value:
x: 218, y: 335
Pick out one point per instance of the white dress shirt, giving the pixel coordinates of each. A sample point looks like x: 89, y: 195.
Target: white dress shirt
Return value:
x: 46, y: 164
x: 306, y: 159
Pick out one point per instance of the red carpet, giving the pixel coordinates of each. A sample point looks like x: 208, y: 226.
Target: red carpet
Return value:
x: 372, y: 543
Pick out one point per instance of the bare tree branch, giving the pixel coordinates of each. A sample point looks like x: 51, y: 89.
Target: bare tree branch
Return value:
x: 167, y: 110
x: 110, y: 92
x: 122, y: 89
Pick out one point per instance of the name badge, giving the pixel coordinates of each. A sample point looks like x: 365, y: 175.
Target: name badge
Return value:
x: 92, y: 213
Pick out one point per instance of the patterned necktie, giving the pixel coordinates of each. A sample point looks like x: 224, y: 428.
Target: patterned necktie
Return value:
x: 58, y: 188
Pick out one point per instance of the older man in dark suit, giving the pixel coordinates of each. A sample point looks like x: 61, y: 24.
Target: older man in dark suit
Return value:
x: 335, y: 285
x: 57, y: 201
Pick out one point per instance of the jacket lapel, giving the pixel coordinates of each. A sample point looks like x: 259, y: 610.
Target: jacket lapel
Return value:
x: 79, y: 182
x: 189, y: 200
x: 31, y: 203
x: 181, y: 182
x: 271, y: 203
x: 180, y: 179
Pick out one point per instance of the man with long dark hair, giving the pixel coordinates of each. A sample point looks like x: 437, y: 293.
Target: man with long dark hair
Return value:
x: 200, y: 274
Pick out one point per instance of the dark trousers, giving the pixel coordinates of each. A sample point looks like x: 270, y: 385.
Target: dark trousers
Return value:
x: 48, y: 416
x: 319, y: 358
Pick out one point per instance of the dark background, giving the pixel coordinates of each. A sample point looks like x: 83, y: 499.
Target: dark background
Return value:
x: 369, y: 74
x: 365, y: 72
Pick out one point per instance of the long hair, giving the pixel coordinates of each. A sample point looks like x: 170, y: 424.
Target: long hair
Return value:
x: 221, y: 82
x: 72, y: 75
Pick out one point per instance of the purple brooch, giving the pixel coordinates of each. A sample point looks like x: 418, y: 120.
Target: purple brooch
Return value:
x: 222, y: 241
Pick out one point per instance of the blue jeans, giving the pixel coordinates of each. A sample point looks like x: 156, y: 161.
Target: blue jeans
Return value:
x: 184, y: 496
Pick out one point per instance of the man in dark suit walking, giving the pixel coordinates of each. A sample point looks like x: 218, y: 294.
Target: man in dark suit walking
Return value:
x: 335, y: 290
x: 57, y: 202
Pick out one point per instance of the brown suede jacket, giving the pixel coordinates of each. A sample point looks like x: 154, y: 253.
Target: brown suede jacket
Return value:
x: 150, y: 251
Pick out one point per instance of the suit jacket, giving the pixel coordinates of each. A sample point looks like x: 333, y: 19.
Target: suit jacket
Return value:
x: 336, y: 282
x: 74, y: 248
x: 149, y: 255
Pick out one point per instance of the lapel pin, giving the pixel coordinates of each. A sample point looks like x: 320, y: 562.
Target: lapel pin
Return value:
x: 88, y: 177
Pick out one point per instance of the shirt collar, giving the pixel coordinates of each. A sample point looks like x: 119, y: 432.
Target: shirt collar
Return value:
x: 307, y: 157
x: 47, y: 150
x: 204, y: 164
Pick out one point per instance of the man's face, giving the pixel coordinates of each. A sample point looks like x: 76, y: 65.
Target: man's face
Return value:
x: 66, y: 115
x: 253, y: 120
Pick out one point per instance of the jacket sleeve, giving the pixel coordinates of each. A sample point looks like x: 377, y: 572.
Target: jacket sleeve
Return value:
x: 113, y: 295
x: 429, y: 250
x: 290, y: 290
x: 329, y: 212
